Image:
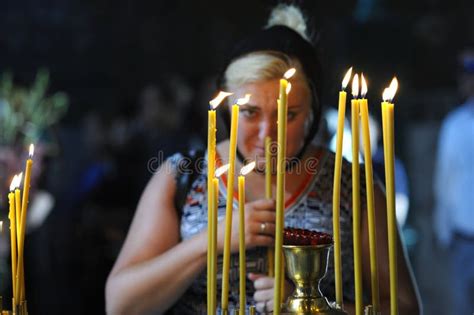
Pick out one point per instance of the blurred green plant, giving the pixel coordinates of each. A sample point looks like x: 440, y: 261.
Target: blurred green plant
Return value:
x: 27, y: 113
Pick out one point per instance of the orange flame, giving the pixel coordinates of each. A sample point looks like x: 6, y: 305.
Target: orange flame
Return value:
x: 247, y: 168
x: 13, y: 183
x: 289, y: 73
x: 355, y: 86
x: 244, y: 100
x: 32, y: 150
x: 346, y: 79
x: 221, y: 170
x: 288, y: 88
x: 218, y: 99
x: 364, y: 89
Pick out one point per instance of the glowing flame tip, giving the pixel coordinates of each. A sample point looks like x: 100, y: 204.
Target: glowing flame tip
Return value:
x: 288, y: 88
x: 346, y: 79
x: 355, y: 86
x: 363, y: 91
x: 393, y: 88
x: 386, y: 94
x: 247, y: 168
x: 244, y: 100
x: 13, y: 183
x: 218, y: 99
x: 289, y: 73
x: 32, y: 150
x: 389, y: 93
x: 221, y: 170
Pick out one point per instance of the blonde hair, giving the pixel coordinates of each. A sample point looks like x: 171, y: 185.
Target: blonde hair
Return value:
x: 260, y: 66
x: 267, y: 65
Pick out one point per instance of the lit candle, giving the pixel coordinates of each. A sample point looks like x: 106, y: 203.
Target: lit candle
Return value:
x: 215, y: 183
x: 337, y: 189
x: 18, y: 207
x: 24, y: 205
x: 389, y: 157
x: 268, y: 195
x: 20, y: 273
x: 242, y: 270
x: 374, y: 278
x: 11, y: 216
x: 280, y: 189
x: 18, y: 212
x: 356, y: 197
x: 211, y: 162
x: 230, y: 200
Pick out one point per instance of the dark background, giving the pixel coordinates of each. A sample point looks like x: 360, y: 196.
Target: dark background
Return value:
x: 106, y: 55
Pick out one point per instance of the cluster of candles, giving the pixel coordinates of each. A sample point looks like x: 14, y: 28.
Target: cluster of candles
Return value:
x: 359, y: 120
x: 276, y: 266
x: 18, y: 202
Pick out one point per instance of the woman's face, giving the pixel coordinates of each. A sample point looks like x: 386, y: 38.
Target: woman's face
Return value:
x: 258, y: 118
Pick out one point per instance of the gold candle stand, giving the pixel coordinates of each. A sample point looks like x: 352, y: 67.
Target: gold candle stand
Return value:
x: 306, y: 265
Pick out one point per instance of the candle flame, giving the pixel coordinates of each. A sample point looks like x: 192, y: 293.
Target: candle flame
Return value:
x: 13, y: 183
x: 386, y: 94
x: 221, y: 170
x: 32, y: 150
x: 244, y: 100
x: 346, y: 79
x: 247, y: 168
x: 364, y: 89
x: 389, y: 93
x: 218, y: 99
x: 355, y: 86
x: 288, y: 88
x: 18, y: 182
x: 393, y: 88
x: 289, y: 73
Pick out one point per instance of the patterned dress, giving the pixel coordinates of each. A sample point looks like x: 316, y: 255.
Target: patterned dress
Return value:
x: 309, y: 208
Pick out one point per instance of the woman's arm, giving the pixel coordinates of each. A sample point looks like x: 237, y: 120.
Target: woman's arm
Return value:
x: 408, y: 297
x: 154, y: 269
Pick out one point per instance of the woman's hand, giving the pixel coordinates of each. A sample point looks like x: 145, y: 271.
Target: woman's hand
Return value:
x: 264, y: 291
x: 259, y: 225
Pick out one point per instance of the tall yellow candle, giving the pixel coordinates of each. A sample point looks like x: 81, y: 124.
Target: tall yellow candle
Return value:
x: 389, y: 157
x: 337, y: 190
x: 280, y: 189
x: 210, y: 254
x: 19, y: 287
x: 18, y: 206
x: 19, y: 273
x: 242, y: 265
x: 268, y: 195
x: 12, y: 217
x: 268, y: 168
x: 356, y: 238
x: 229, y: 201
x: 374, y: 278
x: 211, y: 164
x: 215, y: 190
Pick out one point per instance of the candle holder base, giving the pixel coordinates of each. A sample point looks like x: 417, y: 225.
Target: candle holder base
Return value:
x: 306, y: 265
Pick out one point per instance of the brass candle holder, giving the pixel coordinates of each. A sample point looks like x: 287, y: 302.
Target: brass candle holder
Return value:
x: 306, y: 265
